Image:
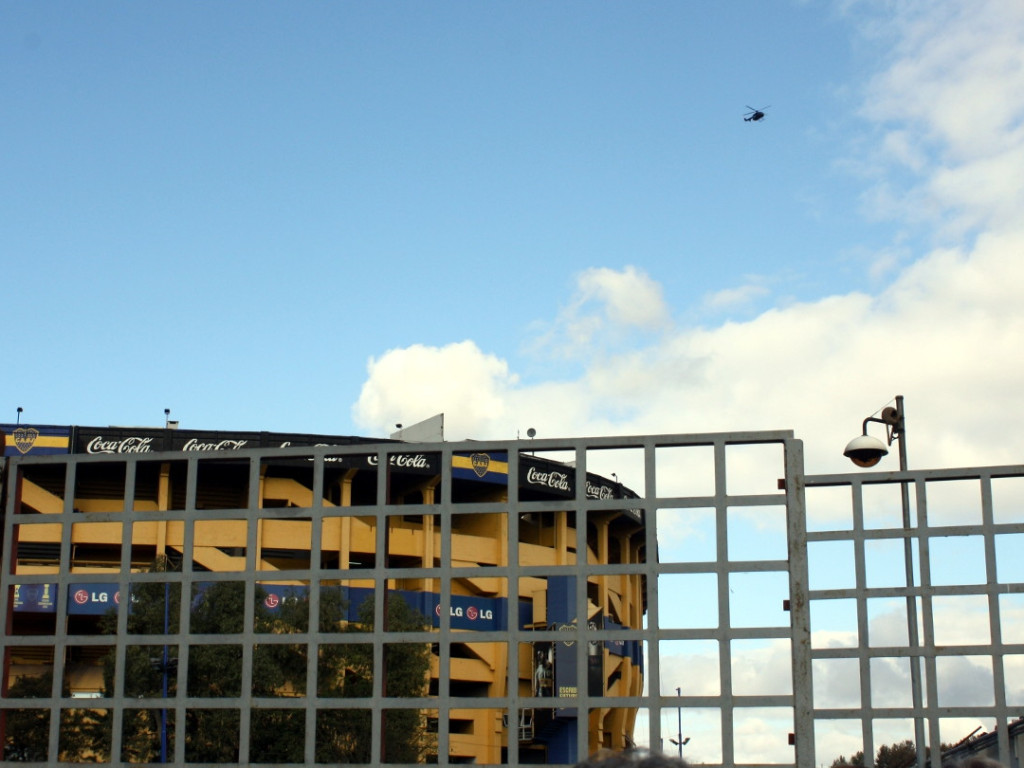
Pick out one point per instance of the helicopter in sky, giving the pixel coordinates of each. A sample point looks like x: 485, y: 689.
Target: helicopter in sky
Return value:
x: 754, y: 115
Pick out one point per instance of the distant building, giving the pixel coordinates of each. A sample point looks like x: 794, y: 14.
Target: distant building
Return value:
x: 99, y: 519
x: 987, y: 745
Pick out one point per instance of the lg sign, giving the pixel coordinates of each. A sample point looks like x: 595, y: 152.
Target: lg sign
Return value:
x: 472, y: 612
x: 84, y: 597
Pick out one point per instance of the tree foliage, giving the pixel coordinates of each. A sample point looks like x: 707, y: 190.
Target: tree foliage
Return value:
x: 84, y: 734
x: 902, y: 754
x: 27, y: 731
x: 346, y: 671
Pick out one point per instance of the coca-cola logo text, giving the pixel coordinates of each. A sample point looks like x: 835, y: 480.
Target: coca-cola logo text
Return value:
x: 599, y: 491
x: 557, y: 480
x: 409, y: 460
x: 125, y: 445
x: 220, y: 445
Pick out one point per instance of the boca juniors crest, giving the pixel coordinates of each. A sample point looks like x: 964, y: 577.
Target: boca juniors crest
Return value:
x: 20, y: 440
x: 25, y: 438
x: 490, y: 467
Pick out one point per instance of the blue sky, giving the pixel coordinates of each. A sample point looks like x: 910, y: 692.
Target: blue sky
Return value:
x: 229, y: 209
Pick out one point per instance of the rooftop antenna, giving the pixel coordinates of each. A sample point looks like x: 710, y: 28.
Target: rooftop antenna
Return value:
x: 20, y: 409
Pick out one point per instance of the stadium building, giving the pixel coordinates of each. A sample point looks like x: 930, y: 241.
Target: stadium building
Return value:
x: 195, y: 596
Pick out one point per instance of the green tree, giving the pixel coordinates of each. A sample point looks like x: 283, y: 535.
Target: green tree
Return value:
x: 856, y: 760
x: 84, y: 736
x: 902, y: 754
x: 215, y: 671
x: 279, y: 669
x: 150, y: 671
x: 27, y: 731
x: 84, y: 733
x: 344, y: 735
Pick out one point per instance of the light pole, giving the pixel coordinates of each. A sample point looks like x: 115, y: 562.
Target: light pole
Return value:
x: 867, y: 451
x: 680, y: 741
x: 679, y: 720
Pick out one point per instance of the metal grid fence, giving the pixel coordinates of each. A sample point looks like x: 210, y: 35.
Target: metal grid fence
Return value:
x: 943, y: 560
x: 676, y: 477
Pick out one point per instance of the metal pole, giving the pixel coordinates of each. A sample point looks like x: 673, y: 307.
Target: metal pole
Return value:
x: 908, y: 559
x: 163, y: 666
x: 679, y: 713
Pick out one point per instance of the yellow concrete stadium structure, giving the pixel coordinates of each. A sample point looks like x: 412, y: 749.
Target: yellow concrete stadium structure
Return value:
x: 83, y: 526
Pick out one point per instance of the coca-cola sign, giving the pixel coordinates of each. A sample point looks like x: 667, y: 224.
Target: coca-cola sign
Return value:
x: 599, y: 491
x: 418, y: 463
x: 558, y: 481
x: 139, y: 444
x: 216, y: 445
x: 112, y: 440
x: 402, y: 461
x: 134, y: 444
x: 547, y: 478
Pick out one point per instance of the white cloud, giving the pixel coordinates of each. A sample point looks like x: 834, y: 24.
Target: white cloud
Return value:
x: 608, y: 309
x: 886, y: 262
x: 740, y: 296
x: 946, y: 333
x: 946, y: 330
x: 955, y: 76
x: 630, y: 297
x: 950, y: 110
x: 410, y: 384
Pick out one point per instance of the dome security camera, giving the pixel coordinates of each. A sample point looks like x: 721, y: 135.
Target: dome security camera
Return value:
x: 865, y: 451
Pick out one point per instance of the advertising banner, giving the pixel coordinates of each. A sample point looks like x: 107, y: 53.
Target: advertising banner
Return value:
x: 483, y: 614
x: 39, y: 440
x: 135, y: 440
x: 481, y: 466
x: 617, y: 647
x: 117, y: 440
x: 551, y: 478
x: 35, y: 598
x: 92, y: 599
x: 561, y: 611
x: 546, y: 477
